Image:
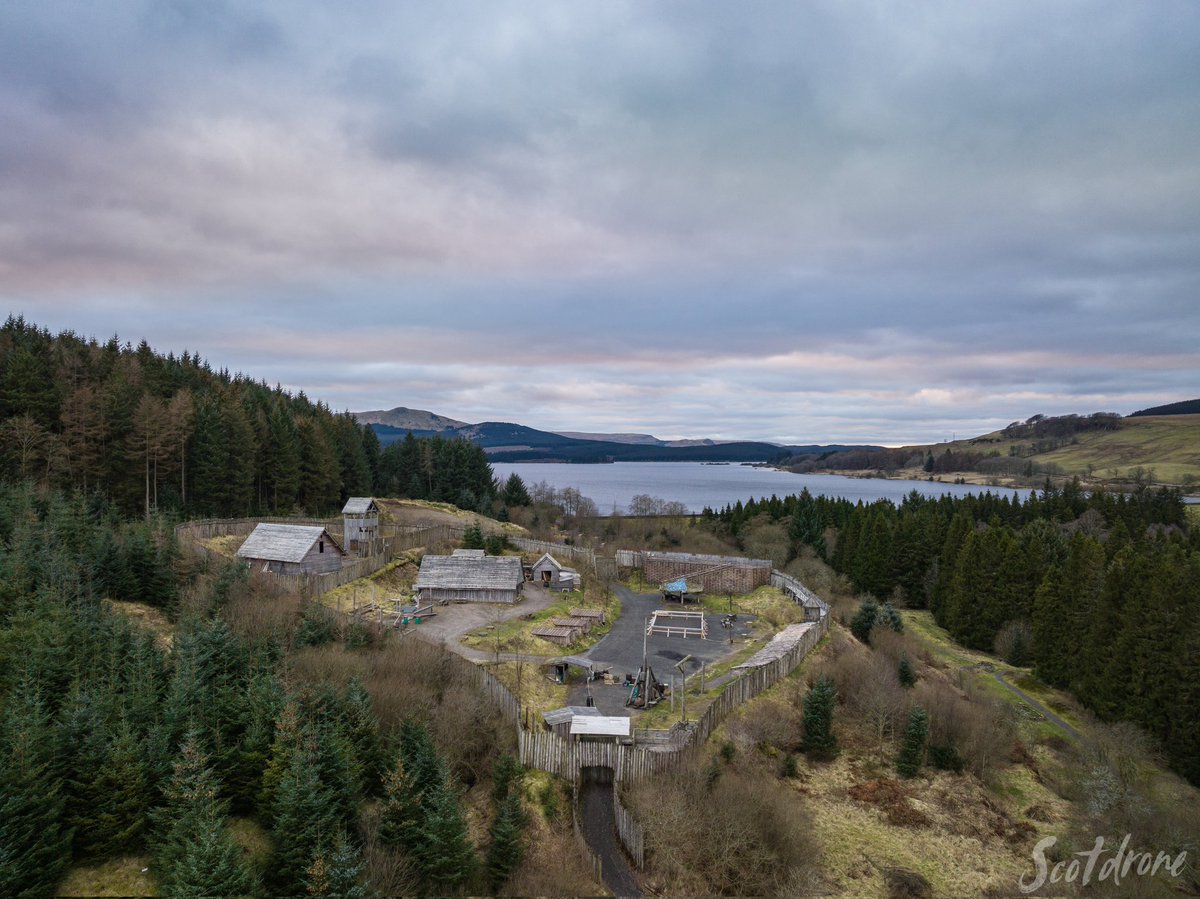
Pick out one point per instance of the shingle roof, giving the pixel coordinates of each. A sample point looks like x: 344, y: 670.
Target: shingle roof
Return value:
x: 283, y: 542
x: 470, y: 572
x: 696, y: 558
x: 600, y: 726
x: 566, y: 713
x: 359, y: 505
x: 781, y: 644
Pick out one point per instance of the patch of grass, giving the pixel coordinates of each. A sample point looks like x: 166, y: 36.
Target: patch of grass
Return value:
x: 254, y: 841
x: 516, y: 634
x: 427, y: 512
x: 127, y: 876
x: 226, y: 545
x: 530, y: 684
x: 393, y: 581
x: 152, y: 619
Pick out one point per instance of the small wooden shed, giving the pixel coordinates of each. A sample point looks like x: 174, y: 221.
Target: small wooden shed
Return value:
x: 563, y: 636
x: 601, y: 729
x: 360, y: 524
x: 292, y: 549
x: 553, y: 575
x: 558, y: 721
x: 470, y: 575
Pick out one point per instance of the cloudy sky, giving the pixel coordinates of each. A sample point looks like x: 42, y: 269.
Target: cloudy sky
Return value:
x: 866, y: 221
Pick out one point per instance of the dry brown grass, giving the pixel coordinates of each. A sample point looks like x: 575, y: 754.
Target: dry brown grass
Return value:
x: 724, y: 831
x: 126, y: 876
x: 409, y: 679
x: 152, y: 619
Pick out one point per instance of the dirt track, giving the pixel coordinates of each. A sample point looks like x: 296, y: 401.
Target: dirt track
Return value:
x: 598, y: 821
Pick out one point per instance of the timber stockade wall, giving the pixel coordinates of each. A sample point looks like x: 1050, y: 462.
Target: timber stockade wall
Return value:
x: 632, y: 836
x: 715, y: 574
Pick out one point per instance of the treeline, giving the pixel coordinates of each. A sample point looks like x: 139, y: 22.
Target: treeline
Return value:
x: 113, y: 744
x: 150, y: 432
x: 1101, y: 590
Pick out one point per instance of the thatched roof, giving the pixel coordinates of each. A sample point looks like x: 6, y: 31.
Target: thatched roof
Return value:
x: 284, y: 542
x: 359, y: 505
x: 464, y: 570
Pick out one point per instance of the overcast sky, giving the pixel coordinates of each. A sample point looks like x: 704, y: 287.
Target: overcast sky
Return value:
x: 852, y: 221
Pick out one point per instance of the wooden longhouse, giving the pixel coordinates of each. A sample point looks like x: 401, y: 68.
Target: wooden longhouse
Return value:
x: 360, y: 524
x: 292, y: 549
x: 470, y: 575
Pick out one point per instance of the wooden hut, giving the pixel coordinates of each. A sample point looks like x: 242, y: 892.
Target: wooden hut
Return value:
x: 582, y: 625
x: 292, y: 549
x: 558, y: 721
x: 601, y: 729
x: 470, y: 575
x: 555, y: 576
x: 596, y: 615
x: 563, y: 636
x: 360, y: 524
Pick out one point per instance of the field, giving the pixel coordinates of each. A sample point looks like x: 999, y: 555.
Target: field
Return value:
x: 1169, y: 444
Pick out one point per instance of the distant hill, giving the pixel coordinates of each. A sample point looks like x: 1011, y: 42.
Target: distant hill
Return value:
x: 408, y: 419
x: 1098, y: 448
x: 643, y: 439
x: 510, y: 442
x: 1184, y: 407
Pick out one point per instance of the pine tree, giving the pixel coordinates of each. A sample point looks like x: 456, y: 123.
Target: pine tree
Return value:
x: 447, y: 860
x: 305, y: 821
x: 504, y: 851
x: 506, y: 775
x: 117, y: 793
x: 904, y: 671
x: 362, y: 730
x: 335, y: 871
x: 211, y: 862
x: 864, y: 620
x: 193, y: 802
x: 401, y: 816
x: 819, y: 741
x: 34, y: 847
x: 912, y: 753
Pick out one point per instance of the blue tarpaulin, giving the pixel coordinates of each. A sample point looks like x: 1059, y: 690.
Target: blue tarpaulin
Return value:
x: 679, y: 586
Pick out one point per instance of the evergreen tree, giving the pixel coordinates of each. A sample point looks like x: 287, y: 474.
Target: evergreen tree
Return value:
x: 819, y: 741
x: 115, y: 799
x: 335, y: 871
x: 912, y: 753
x: 504, y: 850
x: 515, y: 492
x: 210, y: 863
x: 908, y: 677
x: 447, y: 860
x: 34, y: 847
x: 401, y: 816
x: 305, y: 822
x: 864, y: 620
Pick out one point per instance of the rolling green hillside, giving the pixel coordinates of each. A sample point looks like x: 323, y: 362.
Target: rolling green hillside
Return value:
x: 1168, y: 444
x: 1163, y: 449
